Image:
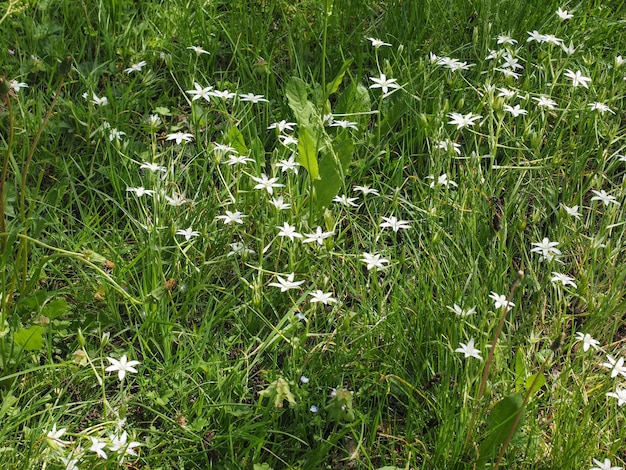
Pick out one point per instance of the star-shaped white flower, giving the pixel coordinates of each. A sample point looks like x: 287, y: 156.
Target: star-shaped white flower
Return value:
x: 374, y: 260
x: 462, y: 312
x: 267, y: 183
x: 563, y: 279
x: 346, y: 201
x: 547, y: 248
x: 461, y: 121
x: 198, y: 50
x: 231, y: 217
x: 604, y: 197
x: 141, y: 191
x: 188, y: 233
x: 606, y: 465
x: 122, y: 366
x: 286, y: 284
x: 99, y: 101
x: 620, y: 394
x: 98, y: 446
x: 135, y: 67
x: 152, y: 167
x: 378, y: 43
x: 515, y: 111
x: 367, y: 190
x: 469, y: 350
x: 179, y: 137
x: 603, y: 108
x: 385, y: 84
x: 564, y: 14
x: 318, y: 236
x: 573, y: 211
x: 288, y: 165
x: 578, y: 78
x: 200, y: 92
x: 616, y: 366
x: 288, y: 231
x: 545, y: 102
x: 279, y: 203
x: 588, y: 341
x: 53, y: 437
x: 252, y: 98
x: 282, y: 126
x: 499, y: 301
x: 323, y: 297
x: 394, y: 223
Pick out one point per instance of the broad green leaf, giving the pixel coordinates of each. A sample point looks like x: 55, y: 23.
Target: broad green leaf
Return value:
x: 334, y: 85
x: 29, y: 339
x: 541, y: 381
x: 297, y: 97
x: 262, y: 466
x: 499, y: 425
x: 333, y: 165
x: 355, y: 101
x: 54, y: 308
x: 31, y: 303
x: 307, y: 152
x: 236, y: 140
x: 520, y: 370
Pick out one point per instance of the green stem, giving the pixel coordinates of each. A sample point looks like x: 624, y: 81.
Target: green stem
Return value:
x: 5, y: 168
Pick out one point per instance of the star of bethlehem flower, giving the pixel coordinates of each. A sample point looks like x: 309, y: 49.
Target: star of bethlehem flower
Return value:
x: 116, y: 135
x: 448, y: 145
x: 606, y: 465
x: 564, y: 14
x: 604, y: 197
x: 252, y: 98
x: 510, y: 62
x: 499, y: 301
x: 620, y: 394
x: 616, y: 366
x: 286, y: 284
x: 603, y: 108
x: 394, y: 223
x: 17, y: 86
x: 120, y: 444
x: 282, y: 126
x: 53, y: 437
x: 346, y: 201
x: 504, y: 39
x: 279, y: 203
x: 569, y: 50
x: 374, y: 260
x: 288, y: 165
x: 469, y: 350
x: 378, y: 43
x: 323, y: 297
x: 135, y: 67
x: 222, y: 149
x: 460, y: 311
x: 200, y: 92
x: 442, y: 180
x: 152, y: 167
x: 287, y: 140
x: 70, y: 462
x: 508, y: 72
x: 588, y: 341
x: 573, y: 211
x: 188, y: 233
x: 345, y: 124
x: 99, y: 101
x: 288, y: 231
x: 515, y: 111
x: 238, y: 248
x: 385, y: 84
x: 547, y: 249
x: 577, y: 78
x: 463, y: 120
x: 122, y: 366
x: 545, y: 102
x: 231, y: 217
x: 141, y: 191
x: 176, y: 200
x: 154, y: 121
x: 318, y: 236
x: 237, y: 159
x: 179, y: 137
x: 506, y: 93
x: 367, y: 190
x: 198, y: 50
x: 223, y: 94
x: 98, y: 446
x: 563, y: 279
x: 267, y: 183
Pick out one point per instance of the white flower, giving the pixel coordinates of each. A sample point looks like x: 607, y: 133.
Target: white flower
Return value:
x: 573, y: 211
x: 135, y: 67
x: 179, y: 137
x: 287, y: 140
x: 53, y: 437
x: 70, y: 462
x: 279, y: 203
x: 116, y: 135
x: 373, y: 260
x: 515, y: 111
x: 606, y: 465
x: 506, y: 93
x: 577, y: 78
x: 141, y: 191
x: 394, y: 224
x: 122, y: 366
x: 461, y: 312
x: 504, y: 39
x: 366, y: 190
x: 238, y: 248
x: 282, y: 126
x: 461, y: 121
x: 448, y: 145
x: 345, y: 124
x: 290, y: 164
x: 231, y: 217
x: 603, y: 108
x: 563, y: 279
x: 378, y: 43
x: 120, y: 445
x: 346, y: 201
x: 620, y: 394
x: 198, y: 50
x: 616, y: 366
x: 17, y: 86
x: 286, y: 284
x: 152, y: 167
x: 188, y: 233
x: 98, y: 446
x: 99, y: 101
x: 385, y: 84
x: 223, y: 94
x: 535, y: 36
x: 176, y: 200
x: 318, y: 236
x: 200, y: 92
x: 442, y: 180
x: 154, y: 121
x: 564, y: 14
x: 619, y: 61
x: 267, y: 183
x: 323, y: 297
x: 588, y: 341
x: 237, y: 159
x: 604, y: 197
x: 545, y: 102
x: 288, y: 231
x: 469, y: 350
x: 569, y: 50
x: 546, y: 248
x: 252, y: 98
x: 510, y: 62
x: 508, y: 72
x: 499, y: 301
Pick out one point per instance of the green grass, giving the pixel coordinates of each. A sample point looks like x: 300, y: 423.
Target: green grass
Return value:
x: 235, y: 373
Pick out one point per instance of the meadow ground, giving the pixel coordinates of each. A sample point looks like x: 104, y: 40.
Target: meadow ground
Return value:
x: 313, y: 234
